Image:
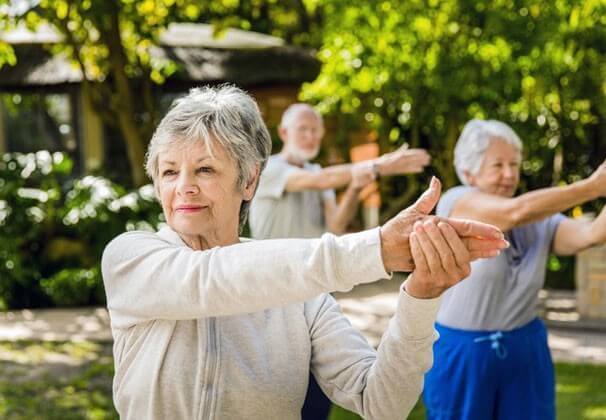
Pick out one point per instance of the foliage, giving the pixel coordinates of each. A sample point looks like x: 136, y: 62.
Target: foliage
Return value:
x: 53, y: 229
x: 112, y: 42
x: 416, y: 71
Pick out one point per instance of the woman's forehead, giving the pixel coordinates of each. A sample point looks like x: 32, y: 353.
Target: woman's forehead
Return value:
x: 193, y: 150
x: 501, y: 149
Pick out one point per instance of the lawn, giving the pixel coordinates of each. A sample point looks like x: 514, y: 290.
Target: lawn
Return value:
x: 66, y: 381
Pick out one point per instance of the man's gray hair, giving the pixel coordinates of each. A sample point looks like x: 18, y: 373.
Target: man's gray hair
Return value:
x: 289, y: 116
x: 473, y: 142
x: 224, y: 114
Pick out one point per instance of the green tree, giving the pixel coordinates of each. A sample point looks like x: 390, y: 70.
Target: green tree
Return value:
x: 112, y: 41
x: 417, y: 70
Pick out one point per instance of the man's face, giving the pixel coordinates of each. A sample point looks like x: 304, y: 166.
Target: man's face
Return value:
x: 303, y: 136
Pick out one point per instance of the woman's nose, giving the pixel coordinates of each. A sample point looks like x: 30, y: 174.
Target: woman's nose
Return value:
x: 187, y: 185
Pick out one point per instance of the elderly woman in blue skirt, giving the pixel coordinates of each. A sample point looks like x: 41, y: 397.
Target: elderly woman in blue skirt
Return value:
x: 492, y: 360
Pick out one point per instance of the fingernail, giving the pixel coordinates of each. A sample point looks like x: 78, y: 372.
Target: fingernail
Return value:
x: 507, y: 244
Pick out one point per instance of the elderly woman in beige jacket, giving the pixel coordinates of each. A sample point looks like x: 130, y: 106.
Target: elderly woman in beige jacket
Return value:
x: 207, y: 326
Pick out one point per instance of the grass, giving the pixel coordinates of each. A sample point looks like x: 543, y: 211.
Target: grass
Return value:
x: 72, y: 381
x: 45, y: 380
x: 580, y: 395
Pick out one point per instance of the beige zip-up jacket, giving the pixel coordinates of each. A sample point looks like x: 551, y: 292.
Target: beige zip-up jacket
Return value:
x: 231, y: 332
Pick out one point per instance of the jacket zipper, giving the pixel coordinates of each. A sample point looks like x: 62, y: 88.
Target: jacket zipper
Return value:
x: 212, y: 366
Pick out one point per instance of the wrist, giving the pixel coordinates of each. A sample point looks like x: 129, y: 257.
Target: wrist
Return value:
x: 394, y: 257
x: 589, y: 188
x: 417, y: 292
x: 376, y: 169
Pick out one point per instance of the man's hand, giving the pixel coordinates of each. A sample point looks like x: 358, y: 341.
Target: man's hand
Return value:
x: 480, y: 239
x: 403, y: 161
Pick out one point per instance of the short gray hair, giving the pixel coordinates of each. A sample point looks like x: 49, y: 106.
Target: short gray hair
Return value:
x: 225, y: 114
x: 476, y: 137
x: 288, y: 117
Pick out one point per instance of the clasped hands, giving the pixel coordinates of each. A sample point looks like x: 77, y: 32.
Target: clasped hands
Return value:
x: 437, y: 250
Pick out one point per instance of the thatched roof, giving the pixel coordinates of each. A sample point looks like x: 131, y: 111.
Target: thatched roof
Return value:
x: 244, y: 58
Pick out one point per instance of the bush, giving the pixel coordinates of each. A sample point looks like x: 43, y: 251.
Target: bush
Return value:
x: 53, y: 228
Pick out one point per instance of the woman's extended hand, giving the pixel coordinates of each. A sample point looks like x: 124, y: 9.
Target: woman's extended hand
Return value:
x: 480, y: 239
x: 441, y: 259
x: 598, y: 179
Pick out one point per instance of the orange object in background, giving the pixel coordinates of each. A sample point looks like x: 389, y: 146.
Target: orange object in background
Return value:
x: 370, y: 196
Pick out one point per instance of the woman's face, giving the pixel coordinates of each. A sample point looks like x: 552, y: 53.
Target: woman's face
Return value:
x: 199, y: 194
x: 500, y: 170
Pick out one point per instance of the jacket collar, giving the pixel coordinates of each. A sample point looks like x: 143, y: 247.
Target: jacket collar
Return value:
x: 168, y: 234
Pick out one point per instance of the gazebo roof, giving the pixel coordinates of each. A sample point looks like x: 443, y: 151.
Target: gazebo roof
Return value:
x: 241, y: 57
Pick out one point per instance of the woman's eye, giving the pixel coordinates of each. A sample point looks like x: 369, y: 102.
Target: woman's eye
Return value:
x: 168, y: 172
x: 205, y: 169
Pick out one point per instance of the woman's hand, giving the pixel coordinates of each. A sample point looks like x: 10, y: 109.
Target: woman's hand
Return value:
x: 598, y: 179
x: 441, y: 259
x: 480, y: 239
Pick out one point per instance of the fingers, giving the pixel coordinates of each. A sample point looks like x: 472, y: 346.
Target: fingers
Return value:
x: 418, y: 257
x: 445, y: 252
x: 415, y: 158
x: 489, y: 245
x: 432, y: 255
x: 420, y: 155
x: 428, y: 200
x: 471, y: 228
x: 436, y: 266
x: 459, y: 249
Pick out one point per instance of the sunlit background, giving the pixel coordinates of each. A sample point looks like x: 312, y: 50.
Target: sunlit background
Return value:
x: 84, y: 83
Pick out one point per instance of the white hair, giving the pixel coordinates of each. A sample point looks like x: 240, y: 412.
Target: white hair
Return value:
x: 476, y: 137
x: 224, y: 114
x: 291, y: 113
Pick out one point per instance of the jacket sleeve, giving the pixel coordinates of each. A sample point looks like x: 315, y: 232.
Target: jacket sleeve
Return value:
x: 382, y: 384
x: 147, y: 277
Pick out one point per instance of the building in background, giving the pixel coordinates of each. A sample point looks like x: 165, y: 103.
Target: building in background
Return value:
x: 43, y: 103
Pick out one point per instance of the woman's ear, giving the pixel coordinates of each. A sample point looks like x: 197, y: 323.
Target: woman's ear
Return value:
x: 251, y: 186
x: 471, y: 180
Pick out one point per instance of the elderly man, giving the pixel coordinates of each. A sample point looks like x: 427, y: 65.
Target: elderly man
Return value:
x: 296, y: 199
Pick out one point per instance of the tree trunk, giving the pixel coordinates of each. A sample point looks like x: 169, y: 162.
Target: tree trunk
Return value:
x: 123, y: 100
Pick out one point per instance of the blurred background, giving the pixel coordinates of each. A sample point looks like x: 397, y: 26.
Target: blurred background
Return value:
x: 84, y: 83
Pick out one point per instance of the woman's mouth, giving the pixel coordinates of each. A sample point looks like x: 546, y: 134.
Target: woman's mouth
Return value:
x: 189, y: 209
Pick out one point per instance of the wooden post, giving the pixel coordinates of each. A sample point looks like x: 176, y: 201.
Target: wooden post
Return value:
x: 370, y: 195
x: 91, y: 130
x: 3, y: 145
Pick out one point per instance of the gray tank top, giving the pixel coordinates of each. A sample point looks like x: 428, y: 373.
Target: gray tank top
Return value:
x: 502, y: 292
